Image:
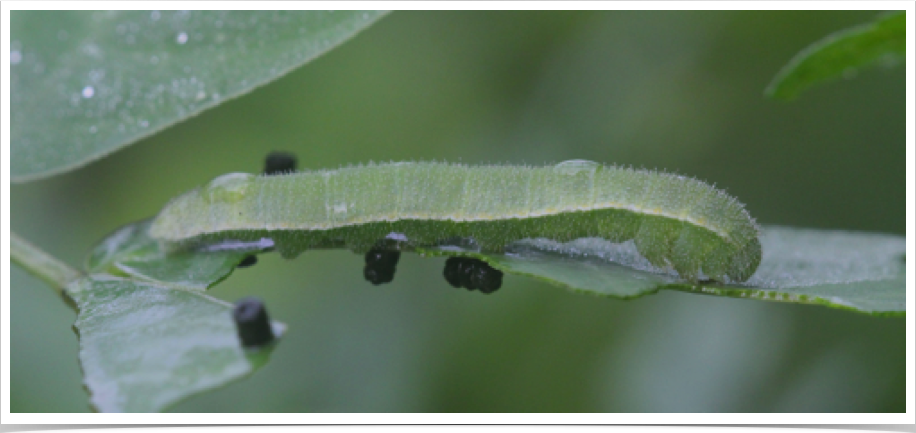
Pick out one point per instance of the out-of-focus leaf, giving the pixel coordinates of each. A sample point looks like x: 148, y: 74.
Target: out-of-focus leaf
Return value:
x: 86, y: 83
x: 842, y: 54
x: 859, y: 271
x: 144, y: 346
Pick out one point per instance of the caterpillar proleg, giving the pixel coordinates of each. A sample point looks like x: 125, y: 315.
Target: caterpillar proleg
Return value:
x: 676, y: 222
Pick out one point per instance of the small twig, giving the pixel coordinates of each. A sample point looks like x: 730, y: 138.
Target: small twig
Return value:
x: 41, y: 264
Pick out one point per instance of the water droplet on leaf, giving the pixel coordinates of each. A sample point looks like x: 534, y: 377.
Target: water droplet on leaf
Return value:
x: 228, y: 188
x: 576, y: 166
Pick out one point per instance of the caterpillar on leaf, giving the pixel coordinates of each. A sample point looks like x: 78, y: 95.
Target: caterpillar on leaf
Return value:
x: 676, y: 222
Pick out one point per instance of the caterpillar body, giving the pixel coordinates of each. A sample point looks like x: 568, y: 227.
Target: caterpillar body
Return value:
x: 676, y: 222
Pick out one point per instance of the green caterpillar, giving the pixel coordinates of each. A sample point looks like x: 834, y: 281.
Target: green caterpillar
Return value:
x: 676, y: 222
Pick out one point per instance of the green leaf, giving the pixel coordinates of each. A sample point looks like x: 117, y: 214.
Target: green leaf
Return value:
x: 864, y: 272
x: 86, y: 83
x: 859, y: 271
x: 144, y: 346
x: 130, y: 252
x: 842, y: 54
x: 149, y: 336
x: 588, y: 265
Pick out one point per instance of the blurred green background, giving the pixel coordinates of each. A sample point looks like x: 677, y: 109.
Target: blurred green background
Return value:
x: 682, y: 91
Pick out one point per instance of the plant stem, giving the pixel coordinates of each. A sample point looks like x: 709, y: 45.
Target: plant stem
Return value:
x: 41, y: 264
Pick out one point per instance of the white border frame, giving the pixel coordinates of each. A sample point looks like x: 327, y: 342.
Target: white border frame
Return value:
x: 234, y: 418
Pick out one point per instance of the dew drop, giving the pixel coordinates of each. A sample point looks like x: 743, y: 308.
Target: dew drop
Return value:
x: 154, y: 15
x: 144, y: 123
x: 15, y: 57
x: 154, y: 60
x: 576, y: 166
x: 182, y: 38
x: 228, y: 188
x: 93, y: 129
x: 88, y: 92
